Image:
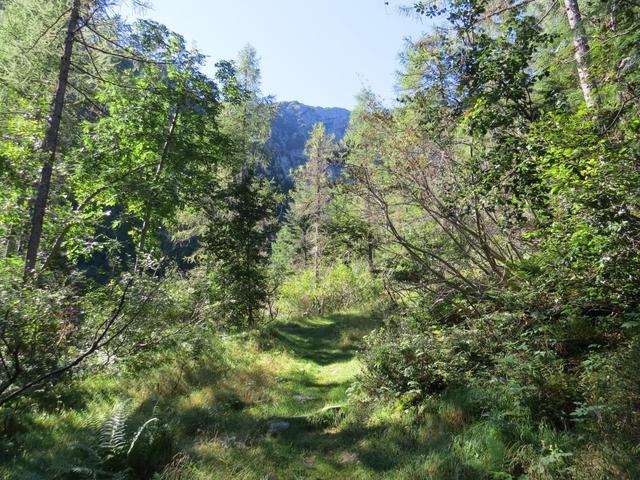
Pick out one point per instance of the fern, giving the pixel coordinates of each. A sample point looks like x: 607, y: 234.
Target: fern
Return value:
x: 113, y: 434
x: 110, y: 455
x: 139, y: 432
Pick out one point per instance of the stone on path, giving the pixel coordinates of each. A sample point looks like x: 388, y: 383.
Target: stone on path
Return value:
x: 303, y: 398
x: 277, y: 427
x: 348, y: 458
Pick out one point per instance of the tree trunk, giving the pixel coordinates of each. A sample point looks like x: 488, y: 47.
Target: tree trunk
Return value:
x: 10, y: 245
x: 50, y: 144
x: 370, y: 259
x: 370, y: 238
x: 316, y: 252
x: 581, y: 53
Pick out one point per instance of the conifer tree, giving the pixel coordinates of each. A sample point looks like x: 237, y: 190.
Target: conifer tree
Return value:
x: 241, y: 214
x: 312, y: 194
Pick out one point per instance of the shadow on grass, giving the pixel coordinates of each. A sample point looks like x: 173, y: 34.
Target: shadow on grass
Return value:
x: 325, y: 443
x: 373, y: 450
x: 330, y: 339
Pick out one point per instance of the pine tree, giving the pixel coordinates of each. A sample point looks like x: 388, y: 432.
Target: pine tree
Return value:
x: 312, y: 193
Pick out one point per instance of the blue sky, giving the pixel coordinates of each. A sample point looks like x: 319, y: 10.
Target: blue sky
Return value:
x: 319, y: 52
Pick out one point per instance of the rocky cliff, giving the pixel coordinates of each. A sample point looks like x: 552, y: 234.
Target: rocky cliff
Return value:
x: 290, y: 130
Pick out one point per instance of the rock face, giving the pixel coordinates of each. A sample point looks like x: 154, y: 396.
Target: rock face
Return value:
x: 290, y: 130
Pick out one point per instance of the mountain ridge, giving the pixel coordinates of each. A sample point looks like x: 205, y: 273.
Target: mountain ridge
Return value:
x: 290, y: 130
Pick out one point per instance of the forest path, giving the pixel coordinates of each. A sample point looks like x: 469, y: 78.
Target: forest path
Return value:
x: 290, y: 404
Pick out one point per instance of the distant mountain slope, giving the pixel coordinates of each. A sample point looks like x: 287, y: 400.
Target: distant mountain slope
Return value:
x: 290, y: 130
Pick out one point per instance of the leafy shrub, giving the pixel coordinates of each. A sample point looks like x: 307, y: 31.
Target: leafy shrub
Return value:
x: 542, y: 384
x: 611, y: 389
x: 404, y: 359
x: 340, y: 286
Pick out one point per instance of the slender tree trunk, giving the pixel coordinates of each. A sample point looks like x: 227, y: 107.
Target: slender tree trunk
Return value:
x: 316, y: 264
x: 316, y: 228
x: 10, y: 245
x: 370, y: 238
x: 581, y: 53
x: 50, y: 144
x: 305, y: 247
x: 370, y: 259
x: 316, y: 253
x: 163, y: 158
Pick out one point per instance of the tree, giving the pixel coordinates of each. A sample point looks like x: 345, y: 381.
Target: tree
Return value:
x: 50, y: 143
x: 242, y: 221
x: 312, y: 193
x: 509, y: 211
x: 240, y: 215
x: 171, y: 160
x: 141, y: 141
x: 91, y: 45
x: 581, y: 45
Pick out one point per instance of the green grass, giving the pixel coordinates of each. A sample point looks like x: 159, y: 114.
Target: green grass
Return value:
x: 214, y: 408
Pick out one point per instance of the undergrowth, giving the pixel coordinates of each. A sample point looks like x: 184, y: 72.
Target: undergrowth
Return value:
x: 204, y: 410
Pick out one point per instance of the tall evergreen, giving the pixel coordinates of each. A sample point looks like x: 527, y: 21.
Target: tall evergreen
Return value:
x: 241, y: 215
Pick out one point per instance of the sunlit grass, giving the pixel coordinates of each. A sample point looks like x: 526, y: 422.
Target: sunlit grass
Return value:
x: 218, y: 406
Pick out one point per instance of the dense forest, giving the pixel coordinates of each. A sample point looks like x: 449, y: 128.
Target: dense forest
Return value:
x: 449, y: 291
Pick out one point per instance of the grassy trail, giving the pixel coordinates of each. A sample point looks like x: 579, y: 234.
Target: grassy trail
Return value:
x: 308, y: 365
x: 300, y: 385
x: 216, y: 408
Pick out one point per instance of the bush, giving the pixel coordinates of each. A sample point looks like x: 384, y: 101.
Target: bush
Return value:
x: 340, y: 286
x: 404, y: 359
x: 611, y: 389
x: 540, y: 382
